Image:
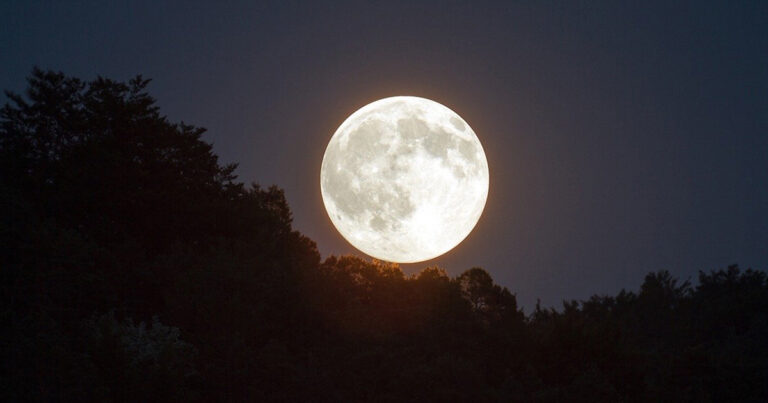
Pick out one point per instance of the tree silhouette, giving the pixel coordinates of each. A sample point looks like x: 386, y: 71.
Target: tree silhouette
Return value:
x: 134, y: 267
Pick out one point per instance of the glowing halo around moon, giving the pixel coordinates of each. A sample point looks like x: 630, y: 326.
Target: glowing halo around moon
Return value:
x: 404, y: 179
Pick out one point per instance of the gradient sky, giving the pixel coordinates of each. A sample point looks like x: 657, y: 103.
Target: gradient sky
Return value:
x: 621, y: 138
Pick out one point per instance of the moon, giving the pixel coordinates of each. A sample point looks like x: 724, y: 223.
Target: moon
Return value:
x: 404, y: 179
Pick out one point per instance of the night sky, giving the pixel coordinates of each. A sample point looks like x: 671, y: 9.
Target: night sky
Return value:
x: 621, y: 138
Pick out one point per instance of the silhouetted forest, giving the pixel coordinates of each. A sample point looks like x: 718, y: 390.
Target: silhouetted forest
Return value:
x: 135, y: 267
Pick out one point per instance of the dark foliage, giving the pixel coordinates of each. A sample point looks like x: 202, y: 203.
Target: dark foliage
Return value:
x: 136, y: 268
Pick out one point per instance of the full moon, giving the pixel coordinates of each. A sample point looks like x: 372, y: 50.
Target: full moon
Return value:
x: 404, y: 179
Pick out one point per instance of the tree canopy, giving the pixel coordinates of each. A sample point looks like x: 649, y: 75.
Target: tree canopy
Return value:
x: 135, y: 267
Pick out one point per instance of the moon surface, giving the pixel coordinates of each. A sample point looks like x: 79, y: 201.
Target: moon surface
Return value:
x: 404, y: 179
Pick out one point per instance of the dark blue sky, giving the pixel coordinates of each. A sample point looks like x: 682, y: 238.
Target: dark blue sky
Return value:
x: 621, y: 137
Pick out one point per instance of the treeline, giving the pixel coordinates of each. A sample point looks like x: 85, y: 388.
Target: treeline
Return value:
x: 136, y: 268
